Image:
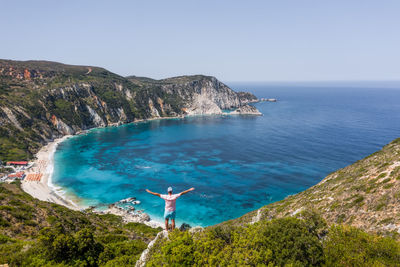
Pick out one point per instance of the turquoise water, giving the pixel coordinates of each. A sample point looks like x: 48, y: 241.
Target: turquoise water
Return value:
x: 236, y: 163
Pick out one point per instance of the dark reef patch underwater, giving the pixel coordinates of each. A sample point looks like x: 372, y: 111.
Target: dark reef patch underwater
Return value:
x: 236, y: 163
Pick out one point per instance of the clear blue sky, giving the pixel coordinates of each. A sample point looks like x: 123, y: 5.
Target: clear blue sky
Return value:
x: 280, y: 40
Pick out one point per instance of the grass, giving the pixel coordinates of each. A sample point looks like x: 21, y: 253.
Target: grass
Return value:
x: 382, y: 202
x: 358, y: 200
x: 388, y: 186
x: 384, y: 174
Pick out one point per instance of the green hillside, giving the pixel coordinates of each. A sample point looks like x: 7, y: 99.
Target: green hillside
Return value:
x: 38, y: 233
x: 365, y: 194
x: 42, y: 100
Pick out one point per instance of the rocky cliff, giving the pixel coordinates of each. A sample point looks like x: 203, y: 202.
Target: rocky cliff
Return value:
x: 246, y: 97
x: 41, y: 100
x: 198, y: 94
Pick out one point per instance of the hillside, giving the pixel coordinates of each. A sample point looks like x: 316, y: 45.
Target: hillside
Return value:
x: 365, y: 194
x: 41, y: 100
x: 38, y: 233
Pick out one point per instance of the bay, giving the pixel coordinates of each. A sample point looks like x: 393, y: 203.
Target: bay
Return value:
x: 236, y: 163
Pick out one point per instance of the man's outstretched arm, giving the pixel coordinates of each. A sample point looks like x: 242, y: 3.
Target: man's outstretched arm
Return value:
x: 187, y: 191
x: 156, y: 194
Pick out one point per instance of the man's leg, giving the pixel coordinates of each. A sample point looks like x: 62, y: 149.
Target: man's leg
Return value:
x: 166, y: 224
x: 173, y: 224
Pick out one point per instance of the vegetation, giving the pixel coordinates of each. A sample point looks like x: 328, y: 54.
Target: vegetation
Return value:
x: 36, y: 95
x: 38, y: 233
x: 303, y: 241
x: 349, y: 246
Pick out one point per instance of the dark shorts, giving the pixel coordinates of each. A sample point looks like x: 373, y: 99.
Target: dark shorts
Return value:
x: 169, y: 215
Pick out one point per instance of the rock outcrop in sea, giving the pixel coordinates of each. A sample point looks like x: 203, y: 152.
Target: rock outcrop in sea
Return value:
x: 246, y: 110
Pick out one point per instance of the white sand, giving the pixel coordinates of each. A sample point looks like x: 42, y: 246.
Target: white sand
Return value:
x: 44, y: 163
x: 46, y: 191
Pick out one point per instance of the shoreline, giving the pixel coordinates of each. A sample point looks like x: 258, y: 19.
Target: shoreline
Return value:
x: 45, y: 190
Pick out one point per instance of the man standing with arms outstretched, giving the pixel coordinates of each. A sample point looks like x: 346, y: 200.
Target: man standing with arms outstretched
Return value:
x: 170, y: 201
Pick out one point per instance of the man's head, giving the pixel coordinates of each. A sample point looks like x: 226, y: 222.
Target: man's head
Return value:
x: 169, y: 190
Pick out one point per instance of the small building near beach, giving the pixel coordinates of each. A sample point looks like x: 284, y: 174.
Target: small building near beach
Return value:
x: 17, y: 163
x: 18, y: 176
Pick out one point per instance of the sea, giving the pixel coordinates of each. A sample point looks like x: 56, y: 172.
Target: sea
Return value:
x: 236, y: 163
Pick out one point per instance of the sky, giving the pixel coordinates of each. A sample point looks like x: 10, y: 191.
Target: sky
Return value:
x: 285, y: 40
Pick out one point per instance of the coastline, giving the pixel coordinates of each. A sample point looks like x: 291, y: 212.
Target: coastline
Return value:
x: 44, y: 164
x: 45, y: 190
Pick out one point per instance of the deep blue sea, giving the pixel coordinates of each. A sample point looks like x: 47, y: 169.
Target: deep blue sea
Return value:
x: 236, y: 163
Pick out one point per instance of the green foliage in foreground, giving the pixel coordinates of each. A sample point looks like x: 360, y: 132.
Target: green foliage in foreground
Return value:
x: 349, y: 246
x: 38, y: 233
x: 279, y: 242
x: 57, y: 247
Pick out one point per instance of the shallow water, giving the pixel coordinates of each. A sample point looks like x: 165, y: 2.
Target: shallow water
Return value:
x: 236, y: 163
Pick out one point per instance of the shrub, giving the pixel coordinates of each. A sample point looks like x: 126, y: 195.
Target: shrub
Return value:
x: 112, y: 238
x: 122, y: 253
x: 142, y: 228
x: 349, y: 246
x: 4, y: 239
x: 3, y: 222
x: 277, y: 242
x: 58, y: 246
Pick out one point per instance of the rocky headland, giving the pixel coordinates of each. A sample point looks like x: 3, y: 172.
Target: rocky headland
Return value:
x: 41, y: 101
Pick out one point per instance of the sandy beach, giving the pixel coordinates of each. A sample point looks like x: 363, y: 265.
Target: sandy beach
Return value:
x: 43, y: 189
x: 44, y: 165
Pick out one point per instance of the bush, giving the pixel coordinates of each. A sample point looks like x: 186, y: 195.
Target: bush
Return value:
x: 349, y: 246
x: 3, y: 222
x: 142, y: 228
x: 122, y: 253
x: 4, y: 239
x: 277, y: 242
x: 58, y: 246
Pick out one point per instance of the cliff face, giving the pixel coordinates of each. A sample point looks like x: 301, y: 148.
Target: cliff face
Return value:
x: 246, y: 97
x: 40, y: 101
x: 197, y: 94
x: 203, y: 95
